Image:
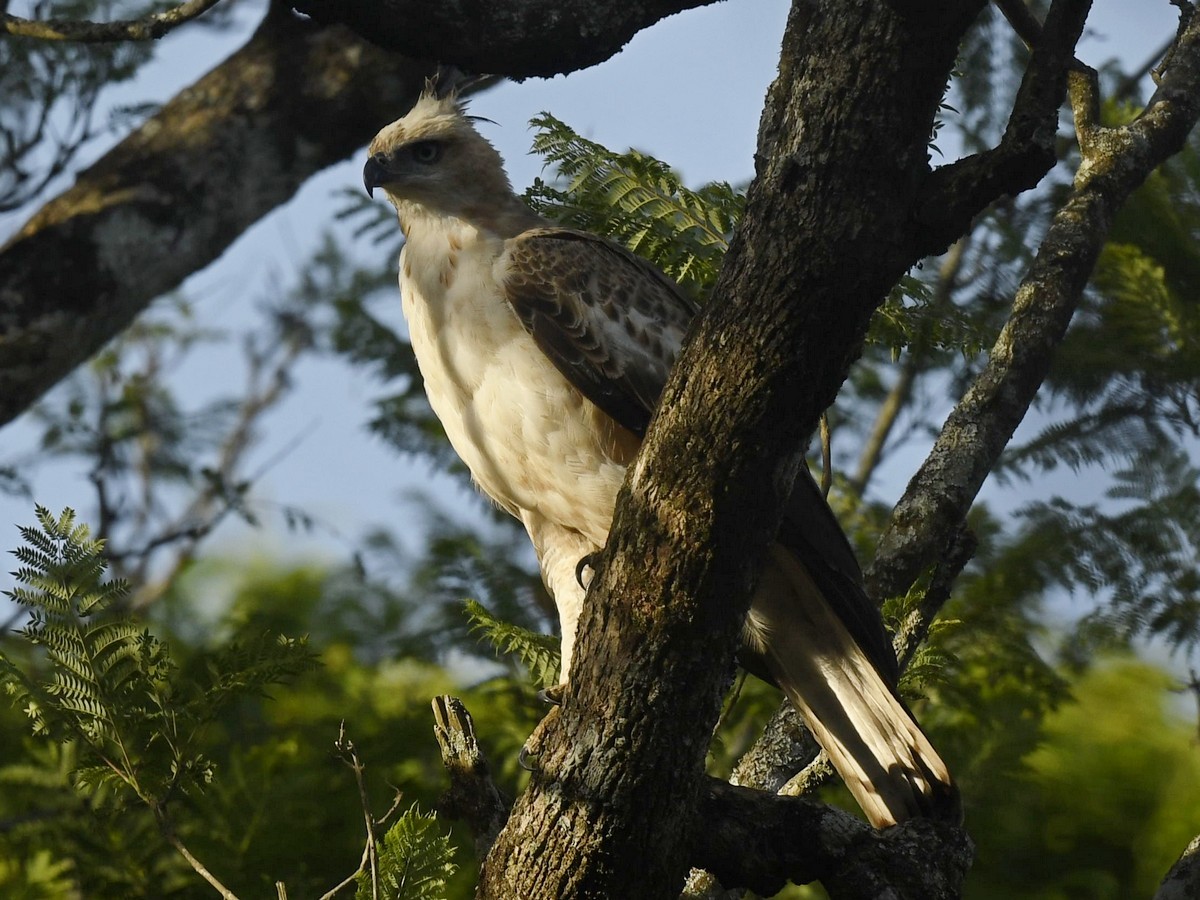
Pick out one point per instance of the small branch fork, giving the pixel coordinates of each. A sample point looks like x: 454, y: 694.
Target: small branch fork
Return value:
x: 1115, y: 161
x: 370, y: 859
x: 148, y: 28
x: 954, y: 194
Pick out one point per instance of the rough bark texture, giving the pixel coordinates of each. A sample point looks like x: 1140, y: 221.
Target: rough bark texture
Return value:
x: 1183, y: 881
x: 612, y: 811
x: 743, y: 841
x: 1115, y: 162
x: 173, y: 195
x: 849, y: 857
x: 517, y: 38
x: 473, y: 796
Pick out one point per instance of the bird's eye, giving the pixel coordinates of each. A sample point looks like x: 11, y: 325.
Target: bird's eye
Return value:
x: 426, y: 151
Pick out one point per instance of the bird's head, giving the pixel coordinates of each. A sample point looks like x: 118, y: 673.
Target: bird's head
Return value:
x: 433, y: 160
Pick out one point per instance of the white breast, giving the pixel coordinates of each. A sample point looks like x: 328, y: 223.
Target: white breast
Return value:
x: 528, y: 437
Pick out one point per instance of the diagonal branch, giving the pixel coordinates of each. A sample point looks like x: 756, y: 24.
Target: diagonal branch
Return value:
x: 954, y: 194
x: 517, y: 38
x: 1115, y: 162
x: 147, y: 28
x: 1182, y: 882
x: 170, y: 198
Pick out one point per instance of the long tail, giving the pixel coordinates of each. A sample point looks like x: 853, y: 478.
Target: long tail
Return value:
x: 871, y: 738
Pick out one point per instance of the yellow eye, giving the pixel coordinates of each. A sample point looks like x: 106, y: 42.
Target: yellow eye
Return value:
x: 426, y: 151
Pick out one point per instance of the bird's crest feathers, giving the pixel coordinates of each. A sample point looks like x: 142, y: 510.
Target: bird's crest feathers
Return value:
x: 432, y: 117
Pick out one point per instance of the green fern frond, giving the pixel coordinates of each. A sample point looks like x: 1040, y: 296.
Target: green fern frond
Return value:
x: 62, y: 586
x: 538, y: 653
x: 415, y: 861
x: 637, y: 201
x: 250, y: 666
x: 112, y: 687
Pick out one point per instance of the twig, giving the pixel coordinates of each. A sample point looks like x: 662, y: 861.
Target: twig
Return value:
x: 148, y: 28
x: 168, y: 831
x: 345, y: 748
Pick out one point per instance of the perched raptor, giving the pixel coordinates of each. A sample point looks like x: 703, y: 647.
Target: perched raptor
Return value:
x: 544, y: 350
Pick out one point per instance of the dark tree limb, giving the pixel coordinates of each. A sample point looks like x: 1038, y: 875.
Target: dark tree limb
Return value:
x: 147, y: 28
x: 1182, y: 882
x: 1115, y: 162
x: 955, y: 194
x: 614, y: 805
x: 760, y: 841
x: 517, y: 38
x: 750, y: 839
x: 170, y: 198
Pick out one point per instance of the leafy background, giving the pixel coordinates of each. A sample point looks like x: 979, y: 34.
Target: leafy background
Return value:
x: 232, y: 673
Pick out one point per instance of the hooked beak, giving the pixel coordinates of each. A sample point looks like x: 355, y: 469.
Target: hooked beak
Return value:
x: 375, y: 173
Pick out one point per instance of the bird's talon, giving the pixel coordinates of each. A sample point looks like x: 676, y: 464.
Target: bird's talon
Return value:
x: 523, y: 760
x: 587, y: 561
x: 552, y: 695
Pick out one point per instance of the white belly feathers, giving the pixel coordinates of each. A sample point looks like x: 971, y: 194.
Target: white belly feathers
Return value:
x: 528, y: 437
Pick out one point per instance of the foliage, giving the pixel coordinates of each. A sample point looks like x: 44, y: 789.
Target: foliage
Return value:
x: 1103, y: 805
x: 415, y: 861
x: 130, y: 730
x: 538, y: 653
x: 637, y: 201
x: 112, y: 687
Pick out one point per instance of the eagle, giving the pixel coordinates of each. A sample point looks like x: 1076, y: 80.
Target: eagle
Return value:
x: 544, y: 351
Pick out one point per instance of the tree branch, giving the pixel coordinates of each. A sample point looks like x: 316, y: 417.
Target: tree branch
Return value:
x: 517, y: 38
x: 761, y: 841
x: 173, y: 195
x: 1115, y: 162
x: 954, y: 194
x: 473, y: 797
x: 1182, y: 882
x: 751, y: 839
x: 817, y: 250
x: 148, y: 28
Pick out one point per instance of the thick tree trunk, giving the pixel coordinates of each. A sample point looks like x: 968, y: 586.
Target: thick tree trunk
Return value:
x: 842, y: 155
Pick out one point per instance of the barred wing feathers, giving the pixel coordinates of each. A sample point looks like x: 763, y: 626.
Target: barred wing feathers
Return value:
x: 610, y: 321
x: 613, y: 325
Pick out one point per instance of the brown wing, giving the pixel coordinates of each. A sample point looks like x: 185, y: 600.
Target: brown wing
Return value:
x: 612, y: 324
x: 609, y: 321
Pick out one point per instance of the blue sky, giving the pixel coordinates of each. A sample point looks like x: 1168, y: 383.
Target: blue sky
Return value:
x: 688, y: 90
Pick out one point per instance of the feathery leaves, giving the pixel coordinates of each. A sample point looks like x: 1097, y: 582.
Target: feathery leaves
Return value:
x: 538, y: 653
x: 415, y: 861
